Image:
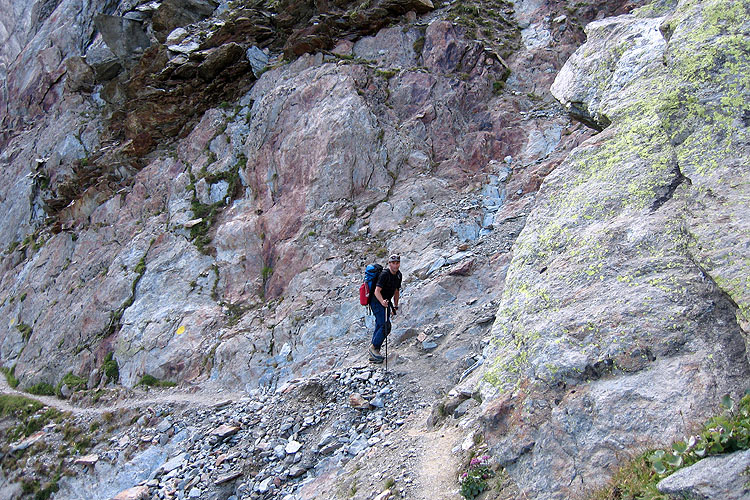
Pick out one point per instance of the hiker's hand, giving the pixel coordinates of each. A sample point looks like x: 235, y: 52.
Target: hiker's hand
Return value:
x: 393, y: 310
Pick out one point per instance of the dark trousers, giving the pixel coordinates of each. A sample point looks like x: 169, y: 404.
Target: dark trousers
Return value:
x: 378, y: 336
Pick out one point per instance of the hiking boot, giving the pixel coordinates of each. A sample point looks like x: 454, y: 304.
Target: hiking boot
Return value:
x: 375, y: 355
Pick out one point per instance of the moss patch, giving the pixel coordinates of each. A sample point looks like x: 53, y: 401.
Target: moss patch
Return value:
x: 199, y: 233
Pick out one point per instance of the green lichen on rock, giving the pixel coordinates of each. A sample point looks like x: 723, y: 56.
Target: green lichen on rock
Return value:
x: 675, y: 133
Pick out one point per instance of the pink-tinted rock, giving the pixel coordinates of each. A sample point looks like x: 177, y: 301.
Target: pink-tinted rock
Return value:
x: 135, y: 493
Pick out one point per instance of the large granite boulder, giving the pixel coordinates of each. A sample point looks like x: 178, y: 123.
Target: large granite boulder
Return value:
x: 624, y: 304
x: 721, y: 476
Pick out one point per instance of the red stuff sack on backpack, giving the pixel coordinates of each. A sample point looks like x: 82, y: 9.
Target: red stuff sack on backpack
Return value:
x: 364, y: 294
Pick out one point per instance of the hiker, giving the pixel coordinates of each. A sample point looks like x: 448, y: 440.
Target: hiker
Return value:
x: 387, y: 288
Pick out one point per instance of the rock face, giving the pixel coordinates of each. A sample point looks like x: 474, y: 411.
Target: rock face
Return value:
x: 624, y: 304
x: 180, y: 250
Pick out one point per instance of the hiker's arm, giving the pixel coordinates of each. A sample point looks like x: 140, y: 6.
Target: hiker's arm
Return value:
x: 395, y: 298
x: 379, y: 296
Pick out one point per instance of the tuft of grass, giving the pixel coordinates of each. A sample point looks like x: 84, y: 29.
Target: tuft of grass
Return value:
x: 74, y: 382
x: 140, y: 268
x: 724, y: 433
x: 111, y: 369
x: 70, y: 432
x: 387, y: 73
x: 266, y: 272
x: 50, y: 487
x: 18, y: 406
x: 41, y: 389
x: 10, y: 376
x: 418, y: 45
x: 635, y: 479
x: 27, y: 414
x: 151, y: 381
x: 82, y: 444
x: 25, y: 330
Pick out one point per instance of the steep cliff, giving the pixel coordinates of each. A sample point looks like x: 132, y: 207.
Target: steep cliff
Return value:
x: 193, y: 189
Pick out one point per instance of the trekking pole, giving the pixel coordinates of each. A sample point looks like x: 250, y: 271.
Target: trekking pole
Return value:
x: 388, y: 331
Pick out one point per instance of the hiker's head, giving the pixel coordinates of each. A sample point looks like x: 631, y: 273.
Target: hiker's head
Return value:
x: 394, y: 261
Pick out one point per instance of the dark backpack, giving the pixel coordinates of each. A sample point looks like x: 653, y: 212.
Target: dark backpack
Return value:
x: 366, y: 290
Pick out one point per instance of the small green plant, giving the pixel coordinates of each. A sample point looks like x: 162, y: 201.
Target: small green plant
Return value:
x: 418, y: 45
x: 26, y: 412
x: 10, y: 376
x: 73, y: 382
x: 29, y: 487
x: 111, y: 369
x: 25, y: 330
x: 474, y: 480
x: 498, y: 86
x: 41, y: 389
x: 266, y: 272
x: 96, y: 396
x: 36, y: 422
x: 723, y: 433
x: 151, y: 381
x: 49, y: 488
x: 389, y: 483
x: 22, y: 297
x: 82, y: 444
x: 387, y: 73
x: 70, y: 432
x: 19, y: 406
x: 140, y: 268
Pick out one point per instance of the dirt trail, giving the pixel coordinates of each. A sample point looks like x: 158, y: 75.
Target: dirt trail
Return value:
x: 436, y: 473
x: 136, y: 400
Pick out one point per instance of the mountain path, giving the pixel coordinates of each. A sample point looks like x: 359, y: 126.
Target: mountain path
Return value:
x: 435, y: 474
x: 139, y: 399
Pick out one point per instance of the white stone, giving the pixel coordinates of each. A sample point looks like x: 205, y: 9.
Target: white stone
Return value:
x: 186, y: 48
x: 177, y: 35
x: 293, y: 447
x: 265, y: 485
x: 286, y: 350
